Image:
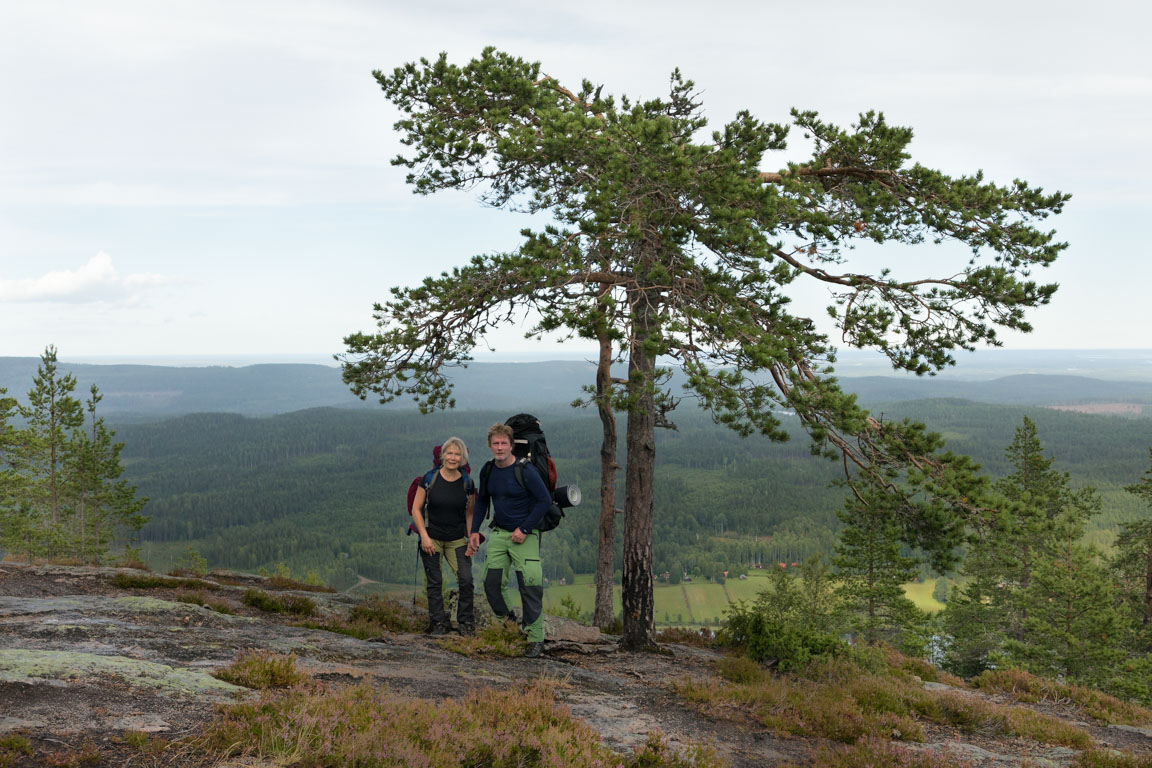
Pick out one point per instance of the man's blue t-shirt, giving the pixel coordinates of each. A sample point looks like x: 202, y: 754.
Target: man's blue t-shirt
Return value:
x: 514, y: 507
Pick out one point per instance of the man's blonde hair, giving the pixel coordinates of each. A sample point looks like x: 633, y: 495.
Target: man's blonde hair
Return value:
x: 499, y: 429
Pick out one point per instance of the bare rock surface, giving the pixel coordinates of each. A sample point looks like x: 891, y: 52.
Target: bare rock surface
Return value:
x: 82, y: 660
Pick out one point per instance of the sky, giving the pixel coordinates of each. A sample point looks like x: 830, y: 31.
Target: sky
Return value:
x: 210, y: 179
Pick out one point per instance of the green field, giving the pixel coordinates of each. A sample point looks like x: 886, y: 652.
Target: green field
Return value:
x: 692, y: 603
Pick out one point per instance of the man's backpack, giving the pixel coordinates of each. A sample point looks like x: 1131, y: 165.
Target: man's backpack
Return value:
x: 530, y: 449
x: 528, y: 443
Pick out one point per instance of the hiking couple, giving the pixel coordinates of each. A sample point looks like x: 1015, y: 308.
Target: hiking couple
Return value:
x: 444, y: 514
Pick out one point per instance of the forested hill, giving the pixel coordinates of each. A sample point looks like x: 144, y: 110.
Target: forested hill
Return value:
x: 323, y: 490
x: 147, y: 392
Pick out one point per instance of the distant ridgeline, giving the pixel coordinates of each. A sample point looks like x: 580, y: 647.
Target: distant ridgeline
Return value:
x: 322, y: 488
x: 137, y: 392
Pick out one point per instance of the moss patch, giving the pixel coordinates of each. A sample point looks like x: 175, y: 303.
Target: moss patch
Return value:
x: 27, y: 666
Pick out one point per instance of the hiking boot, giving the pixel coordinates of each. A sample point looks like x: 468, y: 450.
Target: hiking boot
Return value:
x: 438, y: 628
x: 533, y: 650
x: 466, y: 629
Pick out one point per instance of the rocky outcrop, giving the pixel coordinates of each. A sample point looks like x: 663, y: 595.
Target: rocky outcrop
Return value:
x: 85, y: 660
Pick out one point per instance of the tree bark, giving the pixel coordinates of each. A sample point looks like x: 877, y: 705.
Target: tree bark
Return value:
x: 603, y: 616
x: 1148, y: 587
x: 636, y: 592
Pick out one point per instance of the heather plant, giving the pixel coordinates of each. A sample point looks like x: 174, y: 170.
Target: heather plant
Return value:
x: 1110, y: 758
x: 87, y: 754
x: 152, y: 581
x: 262, y: 670
x: 740, y: 669
x: 840, y: 700
x: 149, y: 744
x: 871, y: 752
x: 920, y: 668
x: 701, y: 638
x: 194, y: 598
x: 375, y: 727
x: 298, y: 605
x: 295, y: 605
x: 1026, y: 687
x: 261, y: 600
x: 12, y: 747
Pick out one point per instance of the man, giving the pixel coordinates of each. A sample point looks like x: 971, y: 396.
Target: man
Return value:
x: 519, y: 500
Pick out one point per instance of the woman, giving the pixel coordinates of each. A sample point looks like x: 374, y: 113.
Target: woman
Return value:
x: 442, y: 515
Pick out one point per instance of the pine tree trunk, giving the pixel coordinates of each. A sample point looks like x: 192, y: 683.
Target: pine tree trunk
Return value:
x: 1148, y: 589
x: 603, y: 616
x: 637, y: 598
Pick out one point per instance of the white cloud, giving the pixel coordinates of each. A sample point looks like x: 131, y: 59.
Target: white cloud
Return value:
x: 96, y: 281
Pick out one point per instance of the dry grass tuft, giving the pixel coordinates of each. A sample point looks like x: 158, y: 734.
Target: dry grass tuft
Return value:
x: 262, y: 670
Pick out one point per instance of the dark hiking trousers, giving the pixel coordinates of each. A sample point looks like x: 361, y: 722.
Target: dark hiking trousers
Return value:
x: 461, y: 565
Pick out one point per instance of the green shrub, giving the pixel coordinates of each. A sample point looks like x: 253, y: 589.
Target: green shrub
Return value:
x: 298, y: 605
x: 764, y: 638
x: 792, y: 622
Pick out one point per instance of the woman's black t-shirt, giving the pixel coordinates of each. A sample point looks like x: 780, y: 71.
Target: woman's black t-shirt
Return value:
x: 444, y: 514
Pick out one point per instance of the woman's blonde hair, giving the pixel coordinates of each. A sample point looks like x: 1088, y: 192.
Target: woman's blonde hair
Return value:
x: 459, y: 444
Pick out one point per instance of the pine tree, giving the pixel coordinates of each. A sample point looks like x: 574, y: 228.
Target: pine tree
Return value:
x: 12, y: 532
x: 103, y: 503
x: 44, y: 448
x: 1072, y: 624
x: 872, y: 571
x: 1031, y: 536
x: 1133, y: 561
x: 679, y: 243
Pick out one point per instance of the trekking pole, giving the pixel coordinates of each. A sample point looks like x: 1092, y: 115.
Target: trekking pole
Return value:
x: 416, y: 576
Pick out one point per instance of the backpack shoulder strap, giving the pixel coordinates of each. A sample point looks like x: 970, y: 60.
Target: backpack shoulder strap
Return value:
x: 485, y: 472
x: 518, y: 471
